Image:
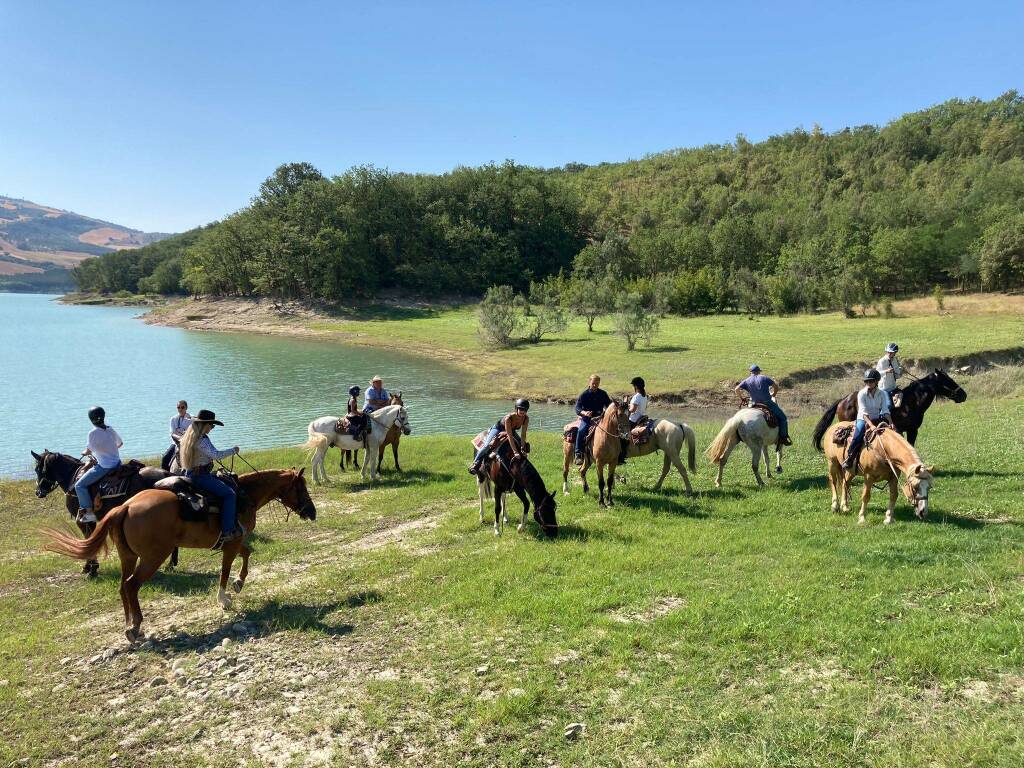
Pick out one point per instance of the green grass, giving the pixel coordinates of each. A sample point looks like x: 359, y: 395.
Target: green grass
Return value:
x: 689, y: 353
x: 735, y: 628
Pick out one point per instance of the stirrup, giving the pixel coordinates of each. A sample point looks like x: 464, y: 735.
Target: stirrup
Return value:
x: 85, y: 516
x: 579, y: 459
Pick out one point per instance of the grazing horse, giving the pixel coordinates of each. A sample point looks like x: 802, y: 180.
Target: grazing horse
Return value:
x: 603, y: 451
x: 504, y: 474
x: 748, y: 426
x: 908, y: 416
x: 149, y: 525
x: 392, y: 439
x: 322, y: 436
x: 58, y: 470
x: 885, y: 455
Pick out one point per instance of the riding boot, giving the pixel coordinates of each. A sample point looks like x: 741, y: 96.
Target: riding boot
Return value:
x: 474, y: 468
x: 785, y: 440
x: 579, y: 460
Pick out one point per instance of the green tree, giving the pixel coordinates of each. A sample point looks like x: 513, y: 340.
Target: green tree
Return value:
x: 634, y: 320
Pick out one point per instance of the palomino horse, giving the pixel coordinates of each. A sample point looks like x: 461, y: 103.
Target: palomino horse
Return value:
x: 669, y: 438
x: 58, y: 470
x: 148, y: 526
x: 908, y: 416
x: 885, y: 456
x: 603, y: 451
x: 393, y: 437
x: 505, y: 474
x: 322, y: 436
x: 749, y: 426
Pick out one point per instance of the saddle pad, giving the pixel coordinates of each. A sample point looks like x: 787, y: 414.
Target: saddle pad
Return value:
x: 842, y: 435
x: 641, y: 434
x: 478, y: 441
x: 769, y: 417
x: 193, y: 508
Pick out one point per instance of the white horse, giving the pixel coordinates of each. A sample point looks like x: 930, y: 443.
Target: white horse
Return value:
x: 748, y: 426
x: 322, y: 436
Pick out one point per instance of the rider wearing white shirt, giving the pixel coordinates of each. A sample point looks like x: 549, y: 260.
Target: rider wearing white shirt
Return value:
x: 179, y: 423
x: 872, y: 409
x: 103, y: 444
x: 890, y: 369
x: 637, y: 411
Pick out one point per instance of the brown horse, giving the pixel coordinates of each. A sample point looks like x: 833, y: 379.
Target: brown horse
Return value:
x: 392, y: 438
x: 506, y: 473
x: 148, y: 526
x: 886, y: 455
x: 603, y: 450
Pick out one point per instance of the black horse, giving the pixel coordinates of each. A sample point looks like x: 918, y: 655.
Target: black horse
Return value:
x: 505, y: 474
x: 908, y: 415
x: 55, y: 470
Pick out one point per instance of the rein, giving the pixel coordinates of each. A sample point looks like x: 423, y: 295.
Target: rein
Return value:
x: 910, y: 492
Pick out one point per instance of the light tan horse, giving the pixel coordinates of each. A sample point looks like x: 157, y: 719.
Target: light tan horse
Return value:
x: 748, y: 426
x: 603, y: 451
x: 669, y: 438
x: 147, y: 527
x: 886, y: 457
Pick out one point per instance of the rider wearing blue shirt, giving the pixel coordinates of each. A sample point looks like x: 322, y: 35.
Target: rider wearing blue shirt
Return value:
x: 197, y: 454
x: 762, y: 390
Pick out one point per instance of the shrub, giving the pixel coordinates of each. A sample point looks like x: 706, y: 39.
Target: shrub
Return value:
x: 940, y: 298
x: 634, y: 320
x: 693, y: 292
x: 498, y: 317
x: 546, y: 315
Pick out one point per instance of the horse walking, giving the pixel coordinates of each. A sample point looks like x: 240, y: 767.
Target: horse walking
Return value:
x: 908, y: 416
x: 323, y: 435
x: 749, y: 426
x: 669, y: 437
x: 504, y: 474
x: 149, y: 525
x: 885, y: 456
x: 603, y: 451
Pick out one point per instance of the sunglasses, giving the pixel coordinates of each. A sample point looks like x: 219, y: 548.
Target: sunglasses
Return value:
x: 182, y: 407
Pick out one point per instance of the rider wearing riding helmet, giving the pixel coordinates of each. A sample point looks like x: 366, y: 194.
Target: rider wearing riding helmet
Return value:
x: 196, y: 454
x: 890, y: 369
x: 356, y: 418
x: 103, y: 443
x: 872, y: 410
x: 637, y: 411
x: 506, y: 425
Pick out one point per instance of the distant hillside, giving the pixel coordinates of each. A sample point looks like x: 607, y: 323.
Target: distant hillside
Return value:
x: 39, y: 246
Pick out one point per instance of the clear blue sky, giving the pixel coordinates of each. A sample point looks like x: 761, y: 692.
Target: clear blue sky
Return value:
x: 163, y: 116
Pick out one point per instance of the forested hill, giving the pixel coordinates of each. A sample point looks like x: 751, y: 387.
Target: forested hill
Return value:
x: 801, y: 220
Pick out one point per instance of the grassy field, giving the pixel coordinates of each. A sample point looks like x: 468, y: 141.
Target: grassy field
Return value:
x: 734, y: 628
x: 690, y: 353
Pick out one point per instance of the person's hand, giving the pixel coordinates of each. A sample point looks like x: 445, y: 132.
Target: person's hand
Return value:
x: 87, y: 452
x: 526, y: 447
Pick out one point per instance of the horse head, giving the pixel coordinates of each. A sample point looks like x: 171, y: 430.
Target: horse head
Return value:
x: 945, y: 386
x: 919, y: 480
x: 296, y: 497
x: 396, y: 399
x: 46, y: 472
x: 544, y: 514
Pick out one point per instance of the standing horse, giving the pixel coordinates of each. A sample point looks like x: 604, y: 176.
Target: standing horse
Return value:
x: 504, y: 474
x: 886, y: 454
x: 908, y: 416
x: 668, y: 437
x: 59, y: 470
x: 603, y: 451
x: 149, y: 525
x: 322, y: 435
x: 748, y: 426
x: 393, y: 437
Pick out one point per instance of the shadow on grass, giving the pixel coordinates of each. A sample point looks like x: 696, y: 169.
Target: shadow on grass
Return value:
x: 905, y: 514
x: 964, y: 473
x: 664, y: 348
x: 807, y: 482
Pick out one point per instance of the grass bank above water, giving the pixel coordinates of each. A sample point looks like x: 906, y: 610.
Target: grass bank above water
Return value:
x: 696, y: 358
x: 735, y: 628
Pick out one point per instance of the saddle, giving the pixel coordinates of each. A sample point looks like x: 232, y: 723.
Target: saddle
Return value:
x: 356, y: 426
x: 842, y: 435
x: 496, y: 446
x: 194, y: 504
x: 570, y: 430
x: 769, y: 417
x: 118, y: 481
x: 641, y: 433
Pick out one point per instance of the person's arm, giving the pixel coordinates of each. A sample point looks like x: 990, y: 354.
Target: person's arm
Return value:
x: 117, y: 438
x: 579, y: 406
x: 174, y: 431
x: 773, y: 388
x: 526, y: 423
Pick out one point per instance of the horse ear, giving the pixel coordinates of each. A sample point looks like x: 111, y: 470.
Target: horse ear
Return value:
x: 931, y: 469
x: 36, y: 456
x: 302, y: 472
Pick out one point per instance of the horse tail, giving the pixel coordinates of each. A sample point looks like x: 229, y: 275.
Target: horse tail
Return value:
x: 691, y: 446
x: 716, y: 451
x: 486, y: 487
x: 86, y: 549
x: 317, y: 443
x: 823, y: 422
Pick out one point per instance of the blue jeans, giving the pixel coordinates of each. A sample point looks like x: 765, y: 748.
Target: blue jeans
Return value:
x: 209, y: 483
x: 857, y: 440
x: 90, y: 477
x: 168, y: 457
x: 487, y: 444
x: 581, y: 436
x: 783, y: 421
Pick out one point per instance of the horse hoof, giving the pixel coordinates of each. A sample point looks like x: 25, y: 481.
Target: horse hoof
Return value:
x: 778, y: 470
x: 861, y: 521
x: 169, y: 568
x: 134, y: 635
x: 237, y: 585
x: 887, y: 521
x: 519, y: 528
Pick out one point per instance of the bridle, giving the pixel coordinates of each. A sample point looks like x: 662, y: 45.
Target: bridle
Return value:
x: 909, y: 490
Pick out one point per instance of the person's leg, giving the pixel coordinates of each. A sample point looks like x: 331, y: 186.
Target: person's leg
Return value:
x: 478, y: 459
x: 165, y: 462
x: 82, y: 489
x: 207, y: 482
x: 856, y: 441
x: 783, y: 421
x: 581, y: 435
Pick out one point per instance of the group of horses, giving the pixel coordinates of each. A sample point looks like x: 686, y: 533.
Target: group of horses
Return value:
x: 146, y: 526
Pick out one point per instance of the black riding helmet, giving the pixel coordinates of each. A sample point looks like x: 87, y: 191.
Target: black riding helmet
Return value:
x: 523, y: 403
x: 97, y: 415
x: 354, y: 390
x: 872, y: 375
x: 638, y: 382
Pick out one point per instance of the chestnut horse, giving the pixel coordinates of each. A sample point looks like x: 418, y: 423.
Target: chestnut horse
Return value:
x: 885, y: 456
x: 55, y: 470
x: 148, y: 526
x: 603, y: 450
x: 506, y: 473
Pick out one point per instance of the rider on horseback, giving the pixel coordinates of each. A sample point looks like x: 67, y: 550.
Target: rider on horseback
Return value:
x: 179, y: 423
x: 102, y: 445
x: 356, y: 418
x: 590, y: 406
x: 637, y: 411
x: 762, y: 391
x: 890, y: 369
x: 507, y: 425
x: 197, y: 454
x: 376, y: 396
x: 872, y: 410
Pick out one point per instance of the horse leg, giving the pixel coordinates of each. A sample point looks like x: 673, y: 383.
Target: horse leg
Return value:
x: 566, y: 460
x: 355, y: 459
x: 834, y: 483
x: 723, y: 460
x: 664, y: 473
x: 911, y: 435
x: 611, y: 483
x: 229, y: 552
x: 600, y: 483
x: 865, y: 497
x: 583, y: 472
x: 755, y: 464
x: 148, y: 565
x: 894, y: 493
x: 173, y: 561
x: 394, y: 450
x: 678, y: 463
x: 778, y: 459
x: 481, y: 494
x: 499, y: 497
x: 526, y: 507
x: 238, y: 583
x: 129, y: 560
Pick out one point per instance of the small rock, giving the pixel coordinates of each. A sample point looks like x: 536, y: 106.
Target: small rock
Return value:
x: 225, y: 642
x: 483, y: 670
x: 574, y: 730
x: 113, y: 757
x: 96, y: 659
x: 4, y: 683
x: 157, y: 681
x: 108, y: 654
x: 516, y: 692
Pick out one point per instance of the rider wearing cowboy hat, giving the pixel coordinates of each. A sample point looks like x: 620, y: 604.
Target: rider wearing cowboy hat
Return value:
x: 196, y: 454
x: 376, y: 396
x: 508, y: 425
x: 872, y: 410
x: 890, y: 369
